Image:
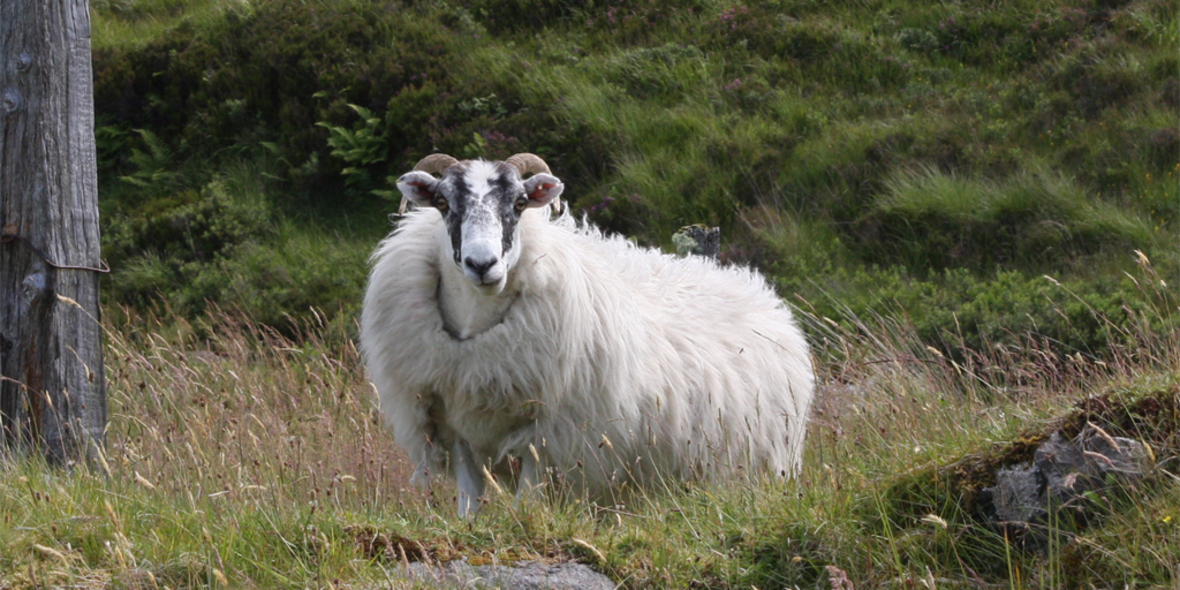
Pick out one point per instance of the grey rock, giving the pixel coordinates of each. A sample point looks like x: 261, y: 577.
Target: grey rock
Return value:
x: 699, y: 240
x: 1016, y: 495
x: 1061, y: 475
x: 526, y: 575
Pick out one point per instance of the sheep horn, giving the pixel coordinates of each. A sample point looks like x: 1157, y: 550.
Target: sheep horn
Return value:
x: 433, y: 164
x: 533, y: 164
x: 528, y: 163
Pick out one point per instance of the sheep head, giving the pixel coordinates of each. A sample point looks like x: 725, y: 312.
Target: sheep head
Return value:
x: 482, y: 203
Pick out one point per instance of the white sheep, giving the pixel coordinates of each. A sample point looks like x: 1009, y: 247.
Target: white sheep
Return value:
x: 519, y: 346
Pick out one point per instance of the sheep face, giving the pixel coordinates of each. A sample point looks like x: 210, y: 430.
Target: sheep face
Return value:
x: 481, y: 203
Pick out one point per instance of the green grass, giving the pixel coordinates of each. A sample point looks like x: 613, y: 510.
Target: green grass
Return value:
x: 238, y: 457
x: 975, y: 208
x: 908, y: 140
x: 136, y: 23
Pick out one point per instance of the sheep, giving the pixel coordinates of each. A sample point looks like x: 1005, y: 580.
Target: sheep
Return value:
x: 520, y: 348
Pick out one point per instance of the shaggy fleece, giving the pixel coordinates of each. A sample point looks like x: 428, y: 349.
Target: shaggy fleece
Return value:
x: 615, y: 363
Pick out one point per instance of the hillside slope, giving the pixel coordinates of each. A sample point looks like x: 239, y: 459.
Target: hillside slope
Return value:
x: 884, y: 156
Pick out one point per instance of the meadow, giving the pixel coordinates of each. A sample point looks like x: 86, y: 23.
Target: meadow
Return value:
x: 973, y: 207
x: 239, y: 457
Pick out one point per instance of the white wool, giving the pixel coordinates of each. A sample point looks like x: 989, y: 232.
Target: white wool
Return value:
x: 631, y: 363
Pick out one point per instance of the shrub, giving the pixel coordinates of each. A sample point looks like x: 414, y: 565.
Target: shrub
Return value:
x: 271, y: 74
x: 285, y: 282
x: 155, y: 248
x: 186, y: 226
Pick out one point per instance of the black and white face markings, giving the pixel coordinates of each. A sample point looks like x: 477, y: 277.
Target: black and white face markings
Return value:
x: 483, y: 202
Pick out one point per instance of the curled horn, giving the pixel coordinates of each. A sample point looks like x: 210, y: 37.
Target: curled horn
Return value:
x: 433, y: 164
x: 528, y: 164
x: 533, y: 164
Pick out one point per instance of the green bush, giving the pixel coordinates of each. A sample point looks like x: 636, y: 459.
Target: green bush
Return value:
x: 287, y: 281
x: 154, y: 248
x: 276, y: 277
x: 186, y: 226
x: 272, y: 73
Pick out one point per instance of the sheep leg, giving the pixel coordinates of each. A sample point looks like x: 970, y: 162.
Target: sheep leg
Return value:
x: 426, y: 468
x: 529, y: 483
x: 421, y: 477
x: 469, y: 478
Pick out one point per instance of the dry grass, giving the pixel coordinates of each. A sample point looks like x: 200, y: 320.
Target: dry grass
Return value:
x: 246, y: 411
x: 238, y: 457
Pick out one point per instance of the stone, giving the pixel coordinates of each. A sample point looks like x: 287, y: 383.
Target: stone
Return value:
x: 526, y: 575
x: 699, y: 240
x: 1062, y: 475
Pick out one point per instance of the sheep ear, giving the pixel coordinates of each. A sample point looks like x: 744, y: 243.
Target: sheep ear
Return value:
x: 542, y: 189
x: 419, y: 187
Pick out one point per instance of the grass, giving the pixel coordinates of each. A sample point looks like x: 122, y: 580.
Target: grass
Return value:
x: 135, y: 23
x: 239, y: 457
x: 888, y: 153
x: 906, y: 173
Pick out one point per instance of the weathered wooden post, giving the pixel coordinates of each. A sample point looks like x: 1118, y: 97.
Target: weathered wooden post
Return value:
x: 52, y: 387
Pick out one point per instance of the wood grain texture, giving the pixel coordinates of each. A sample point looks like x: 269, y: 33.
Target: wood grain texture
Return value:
x: 52, y: 393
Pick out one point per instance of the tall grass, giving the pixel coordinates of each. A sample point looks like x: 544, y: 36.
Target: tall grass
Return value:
x: 240, y: 457
x: 226, y: 444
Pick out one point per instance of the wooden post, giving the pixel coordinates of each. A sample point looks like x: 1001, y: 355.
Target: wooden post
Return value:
x: 52, y: 385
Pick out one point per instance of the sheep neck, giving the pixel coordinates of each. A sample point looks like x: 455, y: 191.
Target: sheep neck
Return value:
x: 466, y: 312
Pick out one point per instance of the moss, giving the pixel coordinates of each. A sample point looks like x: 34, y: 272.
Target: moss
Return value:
x: 1152, y: 417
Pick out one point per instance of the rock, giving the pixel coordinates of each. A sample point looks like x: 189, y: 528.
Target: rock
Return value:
x: 1016, y: 495
x: 526, y: 575
x: 698, y: 239
x: 1062, y: 474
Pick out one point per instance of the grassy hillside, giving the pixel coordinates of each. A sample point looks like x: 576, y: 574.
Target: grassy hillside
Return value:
x: 937, y: 160
x: 973, y: 206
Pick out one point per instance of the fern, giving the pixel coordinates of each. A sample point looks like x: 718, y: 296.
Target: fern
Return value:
x: 363, y: 145
x: 154, y: 167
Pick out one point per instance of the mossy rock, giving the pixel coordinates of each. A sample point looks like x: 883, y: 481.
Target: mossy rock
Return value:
x: 957, y: 493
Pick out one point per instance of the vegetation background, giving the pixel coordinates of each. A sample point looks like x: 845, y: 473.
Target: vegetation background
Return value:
x: 974, y: 205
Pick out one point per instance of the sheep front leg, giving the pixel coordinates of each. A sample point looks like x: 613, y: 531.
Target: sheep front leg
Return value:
x: 469, y: 478
x: 530, y: 472
x: 413, y: 430
x: 421, y: 476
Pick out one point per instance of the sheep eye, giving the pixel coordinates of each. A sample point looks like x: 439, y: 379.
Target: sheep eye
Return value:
x: 521, y: 203
x: 440, y: 203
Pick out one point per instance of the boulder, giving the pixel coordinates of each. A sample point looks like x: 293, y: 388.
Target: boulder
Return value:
x: 1064, y: 477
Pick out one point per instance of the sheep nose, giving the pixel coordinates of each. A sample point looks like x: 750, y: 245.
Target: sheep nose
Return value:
x: 480, y: 267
